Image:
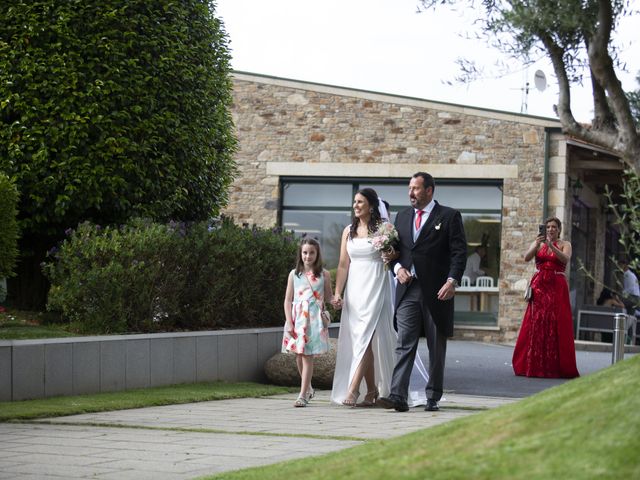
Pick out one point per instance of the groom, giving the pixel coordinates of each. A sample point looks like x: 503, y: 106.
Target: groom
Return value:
x: 431, y: 259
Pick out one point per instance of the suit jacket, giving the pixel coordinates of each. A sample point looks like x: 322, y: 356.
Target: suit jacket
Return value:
x: 439, y: 252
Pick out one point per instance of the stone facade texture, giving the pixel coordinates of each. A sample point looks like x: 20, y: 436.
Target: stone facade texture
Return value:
x: 315, y: 128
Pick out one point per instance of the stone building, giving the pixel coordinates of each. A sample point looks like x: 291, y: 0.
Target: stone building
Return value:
x: 305, y: 148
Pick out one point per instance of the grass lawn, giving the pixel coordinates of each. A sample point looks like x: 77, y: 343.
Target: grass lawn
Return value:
x: 586, y: 428
x: 25, y: 325
x: 148, y: 397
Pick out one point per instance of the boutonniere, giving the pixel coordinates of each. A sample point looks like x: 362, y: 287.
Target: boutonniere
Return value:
x: 438, y: 226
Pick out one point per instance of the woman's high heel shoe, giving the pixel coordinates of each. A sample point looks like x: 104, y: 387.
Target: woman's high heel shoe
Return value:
x: 369, y: 399
x: 352, y: 399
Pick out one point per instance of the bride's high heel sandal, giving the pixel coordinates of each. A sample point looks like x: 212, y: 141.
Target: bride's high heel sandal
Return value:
x: 369, y: 399
x: 352, y: 399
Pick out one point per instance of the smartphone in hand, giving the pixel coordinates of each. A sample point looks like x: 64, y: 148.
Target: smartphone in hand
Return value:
x: 542, y: 229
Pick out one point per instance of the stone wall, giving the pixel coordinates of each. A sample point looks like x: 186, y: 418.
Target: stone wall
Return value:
x: 295, y: 128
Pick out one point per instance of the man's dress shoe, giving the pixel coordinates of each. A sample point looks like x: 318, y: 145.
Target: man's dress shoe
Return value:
x: 390, y: 402
x: 432, y: 405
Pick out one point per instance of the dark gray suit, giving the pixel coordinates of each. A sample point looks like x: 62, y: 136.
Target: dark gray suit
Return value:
x: 439, y: 252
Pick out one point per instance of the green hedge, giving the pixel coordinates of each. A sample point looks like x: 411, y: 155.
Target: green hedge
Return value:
x: 8, y: 226
x: 148, y: 277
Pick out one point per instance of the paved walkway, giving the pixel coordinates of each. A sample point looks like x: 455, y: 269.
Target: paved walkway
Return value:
x: 192, y: 440
x: 198, y: 439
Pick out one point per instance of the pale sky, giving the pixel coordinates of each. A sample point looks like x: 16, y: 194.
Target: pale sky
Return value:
x: 385, y: 46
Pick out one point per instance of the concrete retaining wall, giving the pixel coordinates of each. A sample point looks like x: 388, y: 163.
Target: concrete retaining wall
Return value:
x: 81, y: 365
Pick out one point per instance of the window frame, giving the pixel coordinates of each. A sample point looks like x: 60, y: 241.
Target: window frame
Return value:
x: 496, y: 182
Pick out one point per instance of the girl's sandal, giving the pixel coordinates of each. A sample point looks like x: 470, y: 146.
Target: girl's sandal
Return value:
x: 301, y: 402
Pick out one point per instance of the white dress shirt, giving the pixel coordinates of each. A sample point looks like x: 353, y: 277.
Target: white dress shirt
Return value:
x: 416, y: 231
x: 630, y: 283
x: 427, y: 211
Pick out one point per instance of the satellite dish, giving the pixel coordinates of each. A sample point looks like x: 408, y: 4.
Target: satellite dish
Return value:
x: 539, y: 80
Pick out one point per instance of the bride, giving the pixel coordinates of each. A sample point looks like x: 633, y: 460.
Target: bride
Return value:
x: 366, y: 343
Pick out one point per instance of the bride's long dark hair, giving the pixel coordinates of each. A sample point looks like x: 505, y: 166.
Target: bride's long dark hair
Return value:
x: 372, y: 197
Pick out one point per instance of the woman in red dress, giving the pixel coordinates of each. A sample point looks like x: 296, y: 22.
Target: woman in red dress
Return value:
x: 545, y: 345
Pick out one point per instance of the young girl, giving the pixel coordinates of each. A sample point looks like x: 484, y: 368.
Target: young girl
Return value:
x: 304, y: 333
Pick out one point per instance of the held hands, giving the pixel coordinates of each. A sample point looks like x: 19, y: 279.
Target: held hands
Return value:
x: 336, y: 302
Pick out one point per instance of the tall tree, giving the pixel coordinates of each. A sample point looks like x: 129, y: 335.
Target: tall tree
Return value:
x: 576, y: 36
x: 111, y: 109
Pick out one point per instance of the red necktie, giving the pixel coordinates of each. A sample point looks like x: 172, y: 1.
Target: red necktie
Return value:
x: 418, y: 219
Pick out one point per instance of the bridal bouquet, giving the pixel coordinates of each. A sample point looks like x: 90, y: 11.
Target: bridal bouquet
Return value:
x: 384, y: 238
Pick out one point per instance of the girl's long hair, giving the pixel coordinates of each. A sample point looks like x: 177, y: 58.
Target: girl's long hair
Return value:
x: 317, y: 265
x: 372, y: 197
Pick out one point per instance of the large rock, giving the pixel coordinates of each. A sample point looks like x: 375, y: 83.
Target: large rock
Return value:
x: 281, y: 369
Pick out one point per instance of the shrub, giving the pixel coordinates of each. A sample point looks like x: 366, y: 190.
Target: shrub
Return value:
x: 115, y: 108
x: 9, y: 226
x: 240, y: 280
x: 111, y: 109
x: 147, y: 277
x: 114, y: 280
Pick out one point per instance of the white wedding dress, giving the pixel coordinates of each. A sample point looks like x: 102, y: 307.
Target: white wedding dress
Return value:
x: 367, y: 316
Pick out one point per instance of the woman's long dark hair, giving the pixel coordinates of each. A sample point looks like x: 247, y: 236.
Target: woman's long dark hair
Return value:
x: 372, y: 197
x: 605, y: 295
x: 317, y: 266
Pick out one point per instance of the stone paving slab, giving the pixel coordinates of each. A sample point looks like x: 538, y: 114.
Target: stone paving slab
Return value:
x: 130, y: 454
x: 276, y: 415
x: 241, y: 433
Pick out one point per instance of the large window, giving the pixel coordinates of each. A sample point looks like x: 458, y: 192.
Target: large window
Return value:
x: 321, y: 208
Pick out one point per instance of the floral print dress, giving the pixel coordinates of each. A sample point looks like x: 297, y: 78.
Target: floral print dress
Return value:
x: 309, y: 337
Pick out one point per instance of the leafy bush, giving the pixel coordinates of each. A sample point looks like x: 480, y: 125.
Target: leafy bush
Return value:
x: 147, y: 277
x: 9, y: 226
x: 112, y: 109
